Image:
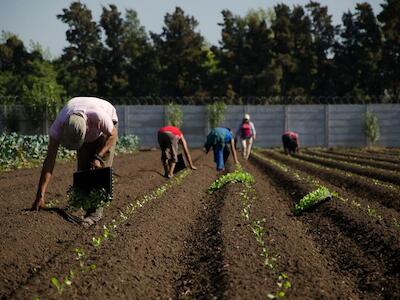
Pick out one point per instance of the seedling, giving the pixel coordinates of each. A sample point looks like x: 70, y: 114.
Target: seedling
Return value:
x: 372, y: 213
x: 311, y: 199
x: 284, y: 284
x: 396, y: 223
x: 51, y: 203
x: 61, y: 285
x: 95, y: 199
x: 237, y: 176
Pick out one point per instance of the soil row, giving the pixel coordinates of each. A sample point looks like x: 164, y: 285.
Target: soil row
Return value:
x: 27, y: 250
x: 377, y: 156
x: 384, y: 175
x: 360, y: 161
x: 360, y: 186
x: 367, y: 255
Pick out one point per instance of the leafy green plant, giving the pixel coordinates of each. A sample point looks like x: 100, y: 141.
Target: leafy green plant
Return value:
x: 396, y: 223
x: 174, y: 115
x: 284, y: 284
x: 233, y: 177
x: 371, y: 127
x: 95, y: 199
x: 60, y: 285
x: 216, y: 113
x: 127, y: 143
x: 373, y: 213
x: 18, y: 150
x: 311, y: 199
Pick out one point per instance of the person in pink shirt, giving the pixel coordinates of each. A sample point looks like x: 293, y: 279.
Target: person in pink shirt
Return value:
x: 88, y: 125
x: 291, y: 142
x: 169, y: 138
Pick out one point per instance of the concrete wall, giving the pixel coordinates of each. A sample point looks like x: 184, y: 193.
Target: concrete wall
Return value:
x: 317, y: 125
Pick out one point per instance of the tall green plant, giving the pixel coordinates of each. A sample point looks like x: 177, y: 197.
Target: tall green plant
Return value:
x: 174, y: 115
x: 371, y: 127
x: 216, y: 113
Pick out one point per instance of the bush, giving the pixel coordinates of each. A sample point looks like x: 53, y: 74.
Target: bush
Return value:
x: 174, y: 115
x: 371, y: 127
x: 216, y: 113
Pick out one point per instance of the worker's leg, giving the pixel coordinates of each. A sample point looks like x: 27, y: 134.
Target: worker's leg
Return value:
x: 244, y: 148
x: 249, y: 144
x: 219, y: 158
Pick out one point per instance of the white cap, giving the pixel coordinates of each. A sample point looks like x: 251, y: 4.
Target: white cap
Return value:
x: 246, y: 117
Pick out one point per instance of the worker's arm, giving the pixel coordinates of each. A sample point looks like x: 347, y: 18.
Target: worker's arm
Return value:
x: 109, y: 142
x: 298, y: 145
x: 47, y: 171
x: 234, y: 151
x: 186, y: 152
x: 253, y: 130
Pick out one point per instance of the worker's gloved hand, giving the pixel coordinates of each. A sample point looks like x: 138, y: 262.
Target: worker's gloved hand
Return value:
x: 38, y: 204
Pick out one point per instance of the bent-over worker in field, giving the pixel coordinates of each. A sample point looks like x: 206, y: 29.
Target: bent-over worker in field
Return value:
x: 219, y: 138
x: 88, y: 125
x: 291, y: 142
x: 169, y: 139
x: 247, y: 133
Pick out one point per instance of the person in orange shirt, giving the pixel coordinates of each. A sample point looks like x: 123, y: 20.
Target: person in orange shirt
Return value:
x: 169, y: 138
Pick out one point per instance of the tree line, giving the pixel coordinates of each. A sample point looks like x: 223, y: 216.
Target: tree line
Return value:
x: 279, y: 52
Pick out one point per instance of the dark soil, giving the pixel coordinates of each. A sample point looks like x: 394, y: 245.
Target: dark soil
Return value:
x: 367, y: 249
x: 361, y: 161
x: 377, y: 156
x: 359, y: 185
x: 371, y: 172
x: 188, y: 244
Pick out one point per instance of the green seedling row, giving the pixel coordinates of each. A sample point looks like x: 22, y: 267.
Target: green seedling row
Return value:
x: 247, y: 198
x: 371, y: 212
x: 110, y: 231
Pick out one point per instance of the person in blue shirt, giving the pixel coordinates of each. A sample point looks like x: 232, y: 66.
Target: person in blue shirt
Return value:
x: 219, y: 139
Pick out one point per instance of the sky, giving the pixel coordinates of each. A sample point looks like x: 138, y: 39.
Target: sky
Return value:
x: 35, y: 20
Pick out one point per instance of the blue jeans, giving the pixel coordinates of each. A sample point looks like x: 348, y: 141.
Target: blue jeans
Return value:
x: 221, y: 156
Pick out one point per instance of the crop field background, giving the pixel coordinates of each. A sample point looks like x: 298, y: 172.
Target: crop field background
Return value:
x: 198, y: 236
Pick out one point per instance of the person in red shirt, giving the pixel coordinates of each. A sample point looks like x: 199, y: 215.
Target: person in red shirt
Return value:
x: 291, y: 143
x: 169, y: 138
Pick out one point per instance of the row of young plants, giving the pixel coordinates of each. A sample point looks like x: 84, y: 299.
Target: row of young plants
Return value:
x: 367, y: 155
x: 109, y: 232
x: 24, y: 151
x: 384, y: 192
x: 363, y: 170
x: 323, y: 191
x: 359, y: 161
x: 248, y: 197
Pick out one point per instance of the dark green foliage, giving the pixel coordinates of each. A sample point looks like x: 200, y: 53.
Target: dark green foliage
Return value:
x: 181, y: 55
x: 283, y: 55
x: 83, y: 52
x: 390, y: 64
x: 358, y: 54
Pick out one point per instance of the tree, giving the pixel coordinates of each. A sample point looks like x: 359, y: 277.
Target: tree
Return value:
x: 358, y: 55
x: 81, y: 56
x: 283, y: 45
x: 389, y: 18
x: 142, y: 60
x: 247, y: 61
x: 181, y: 55
x: 112, y: 73
x: 301, y: 78
x: 323, y: 39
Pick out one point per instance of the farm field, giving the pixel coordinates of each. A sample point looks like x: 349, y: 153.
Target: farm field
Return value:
x: 174, y: 239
